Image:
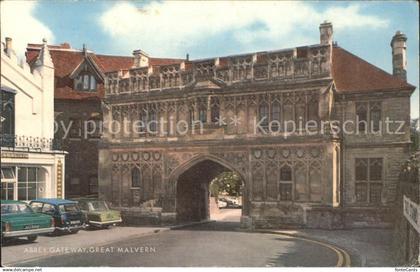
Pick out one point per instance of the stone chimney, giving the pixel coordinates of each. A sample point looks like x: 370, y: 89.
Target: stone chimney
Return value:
x: 9, y: 47
x: 399, y: 55
x: 141, y: 59
x: 326, y: 33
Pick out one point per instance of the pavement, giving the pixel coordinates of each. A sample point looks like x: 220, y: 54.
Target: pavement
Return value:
x: 220, y: 243
x: 20, y: 250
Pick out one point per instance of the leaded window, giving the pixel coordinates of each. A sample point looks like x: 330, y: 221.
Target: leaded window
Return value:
x: 135, y: 177
x: 369, y: 115
x: 215, y: 110
x: 369, y: 179
x: 285, y: 185
x: 361, y: 112
x: 375, y: 116
x: 202, y: 114
x: 263, y: 114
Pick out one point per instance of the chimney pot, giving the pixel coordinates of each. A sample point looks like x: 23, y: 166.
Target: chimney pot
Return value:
x: 399, y: 55
x: 326, y: 33
x: 8, y: 43
x: 9, y: 47
x: 141, y: 59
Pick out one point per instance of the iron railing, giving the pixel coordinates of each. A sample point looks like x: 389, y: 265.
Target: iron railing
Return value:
x: 29, y: 142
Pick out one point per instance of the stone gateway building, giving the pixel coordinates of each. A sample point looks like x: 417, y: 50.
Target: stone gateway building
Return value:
x: 171, y: 128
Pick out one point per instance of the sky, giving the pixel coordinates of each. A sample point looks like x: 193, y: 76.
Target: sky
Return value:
x: 216, y: 28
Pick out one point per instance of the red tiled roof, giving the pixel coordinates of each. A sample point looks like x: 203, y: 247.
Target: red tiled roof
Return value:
x: 353, y: 74
x: 350, y: 73
x: 66, y: 59
x: 163, y: 61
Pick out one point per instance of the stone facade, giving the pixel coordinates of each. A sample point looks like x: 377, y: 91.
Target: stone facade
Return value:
x: 289, y: 179
x: 77, y: 92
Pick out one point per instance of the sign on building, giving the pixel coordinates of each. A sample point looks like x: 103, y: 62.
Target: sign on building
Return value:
x: 411, y: 212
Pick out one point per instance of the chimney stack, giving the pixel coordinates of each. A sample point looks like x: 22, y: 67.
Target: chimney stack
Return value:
x: 326, y: 33
x: 399, y: 55
x: 9, y: 46
x: 141, y: 59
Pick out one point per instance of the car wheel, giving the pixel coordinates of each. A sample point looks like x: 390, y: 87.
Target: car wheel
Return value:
x: 32, y: 238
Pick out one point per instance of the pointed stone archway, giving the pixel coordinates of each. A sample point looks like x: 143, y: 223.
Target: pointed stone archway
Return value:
x: 192, y: 180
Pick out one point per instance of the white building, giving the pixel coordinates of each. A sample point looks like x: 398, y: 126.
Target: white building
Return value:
x: 31, y: 164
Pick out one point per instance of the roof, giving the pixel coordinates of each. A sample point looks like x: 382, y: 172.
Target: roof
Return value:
x: 349, y: 72
x: 67, y: 59
x: 353, y: 74
x: 55, y: 201
x: 12, y: 202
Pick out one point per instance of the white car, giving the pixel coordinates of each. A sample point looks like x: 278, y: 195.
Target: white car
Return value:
x: 221, y: 204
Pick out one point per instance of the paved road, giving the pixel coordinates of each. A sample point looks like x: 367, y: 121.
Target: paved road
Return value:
x: 213, y: 244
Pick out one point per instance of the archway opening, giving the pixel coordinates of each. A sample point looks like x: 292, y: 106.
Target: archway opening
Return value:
x: 194, y: 199
x: 226, y: 197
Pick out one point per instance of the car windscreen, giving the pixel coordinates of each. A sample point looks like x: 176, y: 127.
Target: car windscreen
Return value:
x: 68, y: 208
x: 98, y: 206
x: 15, y: 208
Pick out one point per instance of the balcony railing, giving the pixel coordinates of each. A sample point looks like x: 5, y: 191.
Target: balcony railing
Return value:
x: 29, y: 142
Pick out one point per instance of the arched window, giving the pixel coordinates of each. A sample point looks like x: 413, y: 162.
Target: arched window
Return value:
x: 202, y: 114
x: 191, y: 113
x: 286, y: 173
x: 153, y: 121
x: 135, y: 177
x: 215, y: 110
x: 361, y: 112
x: 286, y: 185
x: 275, y: 115
x: 375, y: 116
x: 275, y: 111
x: 263, y: 114
x: 143, y: 122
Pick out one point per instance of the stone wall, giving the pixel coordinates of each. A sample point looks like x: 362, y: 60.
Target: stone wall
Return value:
x: 82, y: 161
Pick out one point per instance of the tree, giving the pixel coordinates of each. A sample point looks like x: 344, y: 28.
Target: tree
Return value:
x: 227, y: 182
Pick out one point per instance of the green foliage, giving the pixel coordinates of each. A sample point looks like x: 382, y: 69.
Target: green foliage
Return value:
x: 410, y: 168
x: 226, y: 182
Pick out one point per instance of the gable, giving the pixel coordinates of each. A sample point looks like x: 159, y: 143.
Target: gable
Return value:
x: 87, y: 65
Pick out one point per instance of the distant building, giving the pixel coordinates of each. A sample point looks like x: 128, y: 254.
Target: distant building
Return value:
x: 32, y: 165
x: 330, y: 180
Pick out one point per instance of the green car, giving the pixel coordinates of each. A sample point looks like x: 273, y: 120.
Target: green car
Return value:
x: 98, y: 214
x: 19, y: 220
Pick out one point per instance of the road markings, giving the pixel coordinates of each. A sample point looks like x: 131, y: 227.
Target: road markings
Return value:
x: 343, y: 258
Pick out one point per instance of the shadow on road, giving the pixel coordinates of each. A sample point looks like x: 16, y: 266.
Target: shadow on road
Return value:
x: 216, y: 226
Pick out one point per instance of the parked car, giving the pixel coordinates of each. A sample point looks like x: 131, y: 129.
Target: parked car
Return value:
x: 228, y: 203
x: 98, y: 214
x: 66, y: 213
x: 19, y: 220
x: 221, y: 203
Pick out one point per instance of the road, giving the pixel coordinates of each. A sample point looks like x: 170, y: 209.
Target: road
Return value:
x: 219, y: 243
